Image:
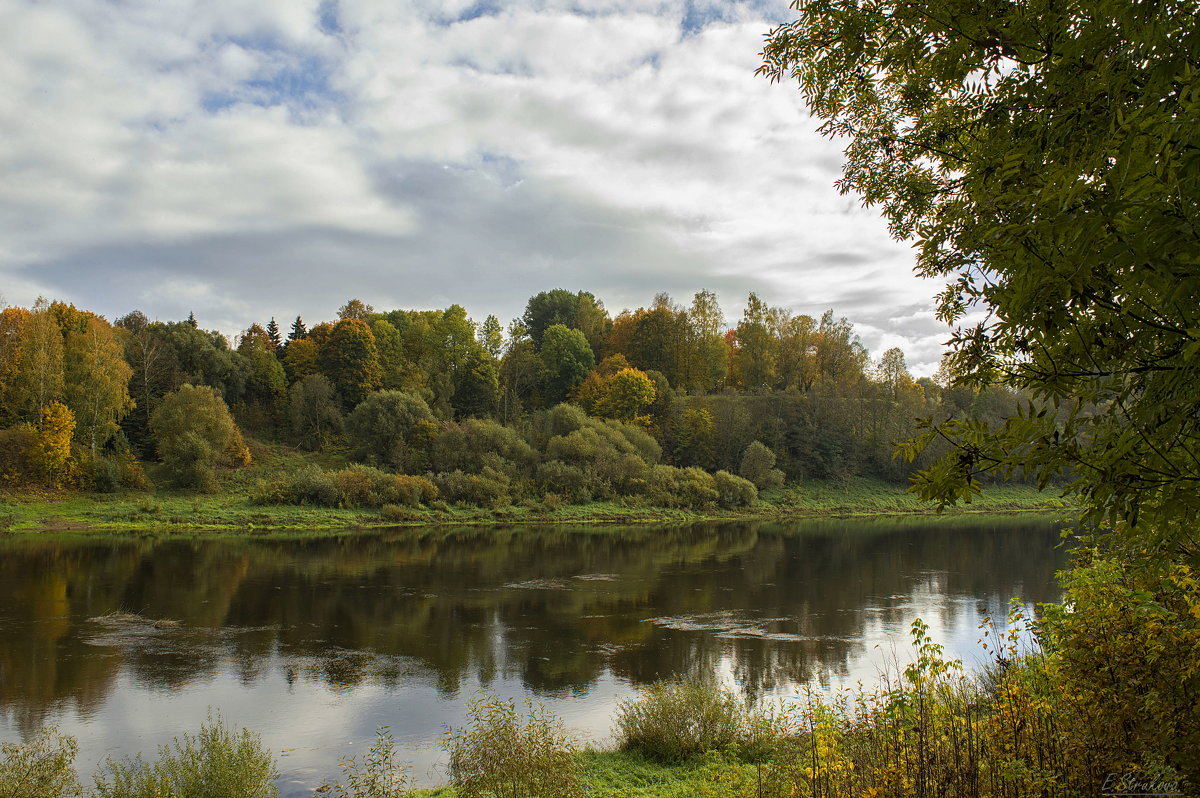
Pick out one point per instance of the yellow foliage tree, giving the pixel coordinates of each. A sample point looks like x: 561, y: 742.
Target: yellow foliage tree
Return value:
x: 51, y: 454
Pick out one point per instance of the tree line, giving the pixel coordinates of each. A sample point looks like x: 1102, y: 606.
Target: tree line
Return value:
x: 431, y: 392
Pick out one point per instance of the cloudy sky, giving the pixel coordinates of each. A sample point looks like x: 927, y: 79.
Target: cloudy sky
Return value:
x: 244, y: 160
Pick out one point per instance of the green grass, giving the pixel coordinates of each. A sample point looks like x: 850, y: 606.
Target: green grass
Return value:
x: 628, y: 774
x: 230, y: 509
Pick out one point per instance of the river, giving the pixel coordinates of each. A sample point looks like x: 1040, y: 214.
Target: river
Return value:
x: 316, y: 641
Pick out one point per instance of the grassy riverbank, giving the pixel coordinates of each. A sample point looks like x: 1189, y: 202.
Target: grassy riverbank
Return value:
x: 231, y: 508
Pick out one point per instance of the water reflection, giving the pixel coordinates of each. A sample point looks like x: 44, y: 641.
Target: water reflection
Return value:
x: 568, y: 615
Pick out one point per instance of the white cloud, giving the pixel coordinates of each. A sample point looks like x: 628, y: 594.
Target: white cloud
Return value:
x: 622, y: 147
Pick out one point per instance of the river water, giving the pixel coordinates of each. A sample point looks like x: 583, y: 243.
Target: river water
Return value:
x: 316, y: 641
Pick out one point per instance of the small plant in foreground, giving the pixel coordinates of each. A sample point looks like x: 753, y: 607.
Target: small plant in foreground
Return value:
x: 379, y: 775
x: 216, y: 763
x: 40, y: 768
x: 504, y: 754
x: 673, y: 721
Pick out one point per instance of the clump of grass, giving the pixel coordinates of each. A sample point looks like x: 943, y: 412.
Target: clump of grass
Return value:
x: 40, y: 768
x: 674, y: 721
x: 215, y: 763
x: 506, y: 754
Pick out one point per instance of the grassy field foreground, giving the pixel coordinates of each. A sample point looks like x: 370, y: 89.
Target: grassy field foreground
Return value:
x: 231, y: 508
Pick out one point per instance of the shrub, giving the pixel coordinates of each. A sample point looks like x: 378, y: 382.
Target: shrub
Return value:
x: 40, y: 768
x: 568, y: 481
x: 758, y: 466
x: 102, y: 473
x: 356, y: 488
x: 15, y: 445
x: 564, y: 419
x: 673, y: 721
x: 311, y: 485
x: 193, y: 431
x: 216, y: 763
x: 639, y: 439
x: 668, y: 486
x: 504, y: 754
x: 272, y: 491
x: 381, y: 424
x: 488, y: 488
x: 411, y: 490
x: 379, y: 775
x: 397, y: 514
x: 475, y: 442
x: 735, y: 491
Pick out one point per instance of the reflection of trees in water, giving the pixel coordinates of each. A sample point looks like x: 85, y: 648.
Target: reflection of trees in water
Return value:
x: 554, y: 608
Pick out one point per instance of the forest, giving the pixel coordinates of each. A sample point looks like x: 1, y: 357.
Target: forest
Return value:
x: 667, y: 402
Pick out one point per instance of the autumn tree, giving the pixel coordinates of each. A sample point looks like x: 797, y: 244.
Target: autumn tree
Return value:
x: 625, y: 395
x: 254, y: 337
x: 301, y: 359
x: 754, y: 358
x: 657, y: 337
x: 40, y: 380
x: 350, y: 360
x: 355, y: 309
x: 51, y: 452
x: 97, y: 382
x: 693, y: 434
x: 12, y: 331
x: 1043, y: 160
x: 892, y: 371
x: 588, y: 392
x: 796, y: 361
x: 704, y: 359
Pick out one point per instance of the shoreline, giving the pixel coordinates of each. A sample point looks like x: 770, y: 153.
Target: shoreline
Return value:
x: 29, y: 513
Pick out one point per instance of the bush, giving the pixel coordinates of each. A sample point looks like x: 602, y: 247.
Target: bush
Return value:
x: 488, y: 488
x: 216, y: 763
x: 503, y: 754
x: 311, y: 485
x: 397, y: 514
x: 475, y: 442
x: 758, y: 466
x: 356, y: 488
x: 668, y: 486
x: 674, y: 721
x: 411, y: 490
x: 564, y: 419
x: 380, y: 426
x: 15, y: 445
x: 193, y: 432
x: 40, y: 768
x: 735, y: 491
x: 103, y: 474
x: 379, y: 775
x: 568, y: 481
x: 272, y: 491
